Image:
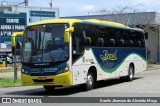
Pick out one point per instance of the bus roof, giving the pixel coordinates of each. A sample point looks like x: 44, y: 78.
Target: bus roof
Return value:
x: 105, y: 22
x: 92, y: 21
x: 71, y: 21
x: 77, y: 20
x: 110, y: 24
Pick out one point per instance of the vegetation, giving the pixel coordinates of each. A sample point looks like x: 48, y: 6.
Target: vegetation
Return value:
x: 7, y: 69
x: 8, y: 82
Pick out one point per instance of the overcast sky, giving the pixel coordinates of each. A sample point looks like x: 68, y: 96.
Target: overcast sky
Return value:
x: 82, y: 7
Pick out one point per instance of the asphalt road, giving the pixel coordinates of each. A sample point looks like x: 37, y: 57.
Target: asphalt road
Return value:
x: 145, y: 84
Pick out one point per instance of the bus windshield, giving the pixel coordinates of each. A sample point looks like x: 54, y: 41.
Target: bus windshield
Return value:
x: 45, y: 44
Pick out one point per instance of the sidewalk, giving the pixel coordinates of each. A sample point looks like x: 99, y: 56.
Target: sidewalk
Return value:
x: 154, y: 67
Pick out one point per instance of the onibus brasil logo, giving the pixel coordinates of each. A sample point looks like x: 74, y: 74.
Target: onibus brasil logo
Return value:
x: 106, y: 56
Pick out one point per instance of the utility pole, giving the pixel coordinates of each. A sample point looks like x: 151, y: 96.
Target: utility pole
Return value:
x: 15, y: 67
x: 26, y: 2
x: 50, y: 3
x: 14, y: 64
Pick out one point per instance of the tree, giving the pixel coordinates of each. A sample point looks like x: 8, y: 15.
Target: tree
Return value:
x: 130, y: 16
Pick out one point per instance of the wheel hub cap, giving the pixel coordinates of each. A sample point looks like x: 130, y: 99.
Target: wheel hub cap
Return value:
x: 90, y: 80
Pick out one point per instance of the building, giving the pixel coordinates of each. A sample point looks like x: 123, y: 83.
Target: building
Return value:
x: 148, y: 21
x: 14, y: 18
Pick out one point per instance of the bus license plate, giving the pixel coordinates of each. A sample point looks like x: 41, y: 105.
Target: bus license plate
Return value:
x: 42, y: 78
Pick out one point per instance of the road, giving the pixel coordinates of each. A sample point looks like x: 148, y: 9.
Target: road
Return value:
x: 145, y: 84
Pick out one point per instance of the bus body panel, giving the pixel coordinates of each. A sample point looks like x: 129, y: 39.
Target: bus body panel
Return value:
x: 110, y: 68
x: 109, y: 62
x: 81, y: 67
x: 60, y: 79
x: 110, y: 59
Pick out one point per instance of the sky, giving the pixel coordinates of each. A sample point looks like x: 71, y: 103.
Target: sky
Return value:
x: 89, y: 7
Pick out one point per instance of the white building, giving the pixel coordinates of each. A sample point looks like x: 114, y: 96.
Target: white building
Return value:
x: 37, y: 13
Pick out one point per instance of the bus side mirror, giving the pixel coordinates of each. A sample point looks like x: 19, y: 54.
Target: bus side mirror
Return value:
x: 67, y: 34
x: 15, y: 45
x: 16, y: 49
x: 146, y: 35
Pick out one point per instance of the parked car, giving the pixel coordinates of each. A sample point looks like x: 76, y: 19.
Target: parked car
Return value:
x: 9, y: 60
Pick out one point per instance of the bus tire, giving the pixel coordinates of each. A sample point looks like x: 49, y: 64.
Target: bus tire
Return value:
x: 123, y: 78
x: 49, y: 88
x: 130, y: 76
x: 90, y: 82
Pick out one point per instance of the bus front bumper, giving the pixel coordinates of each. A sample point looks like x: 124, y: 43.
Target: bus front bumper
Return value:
x: 57, y: 80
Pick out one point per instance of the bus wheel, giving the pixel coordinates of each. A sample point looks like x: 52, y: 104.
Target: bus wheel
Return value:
x: 123, y: 78
x: 49, y: 88
x: 130, y: 76
x: 90, y: 81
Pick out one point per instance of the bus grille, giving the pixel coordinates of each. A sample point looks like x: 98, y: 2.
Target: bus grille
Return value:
x: 47, y: 80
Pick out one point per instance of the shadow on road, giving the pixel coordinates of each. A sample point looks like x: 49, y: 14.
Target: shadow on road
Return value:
x: 66, y: 90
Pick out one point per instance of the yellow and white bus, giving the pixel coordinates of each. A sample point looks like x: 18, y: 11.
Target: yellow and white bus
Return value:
x: 64, y: 52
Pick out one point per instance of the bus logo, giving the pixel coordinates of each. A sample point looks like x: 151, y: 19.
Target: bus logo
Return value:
x: 106, y: 56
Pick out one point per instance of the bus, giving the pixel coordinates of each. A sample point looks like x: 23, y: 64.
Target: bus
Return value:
x: 66, y: 52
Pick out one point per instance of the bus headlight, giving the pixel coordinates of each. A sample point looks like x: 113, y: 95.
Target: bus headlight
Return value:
x: 23, y: 71
x: 63, y: 70
x: 66, y: 69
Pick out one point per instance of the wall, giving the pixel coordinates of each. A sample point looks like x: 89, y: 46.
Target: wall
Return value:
x: 20, y: 17
x: 152, y: 43
x: 37, y: 13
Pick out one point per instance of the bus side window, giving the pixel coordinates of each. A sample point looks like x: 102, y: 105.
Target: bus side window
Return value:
x: 139, y: 43
x: 90, y: 34
x: 122, y: 43
x: 140, y: 39
x: 131, y: 43
x: 106, y: 37
x: 112, y: 37
x: 112, y: 43
x: 100, y: 42
x: 87, y: 41
x: 102, y: 38
x: 77, y: 42
x: 143, y: 42
x: 125, y: 38
x: 119, y: 38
